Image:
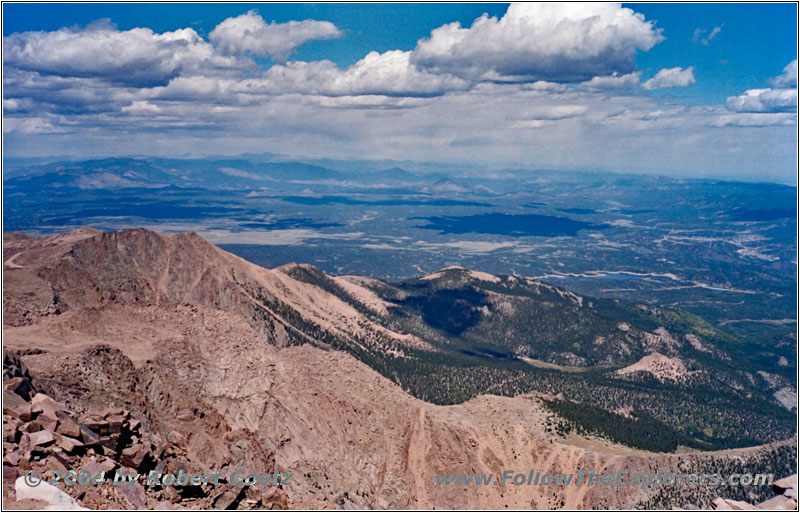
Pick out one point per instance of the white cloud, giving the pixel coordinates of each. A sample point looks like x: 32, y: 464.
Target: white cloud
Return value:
x: 705, y: 41
x: 755, y: 120
x: 542, y: 85
x: 532, y: 123
x: 764, y: 100
x: 29, y: 126
x: 249, y: 33
x: 195, y: 88
x: 788, y: 78
x: 614, y: 81
x: 137, y: 57
x: 714, y: 32
x: 561, y: 42
x: 173, y: 93
x: 542, y: 116
x: 16, y: 104
x: 557, y: 112
x: 671, y: 77
x: 141, y: 107
x: 759, y: 103
x: 389, y: 73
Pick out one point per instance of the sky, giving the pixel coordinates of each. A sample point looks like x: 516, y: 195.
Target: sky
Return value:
x: 697, y: 90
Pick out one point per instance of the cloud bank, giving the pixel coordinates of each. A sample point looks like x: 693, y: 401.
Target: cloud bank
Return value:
x: 545, y: 84
x: 137, y: 57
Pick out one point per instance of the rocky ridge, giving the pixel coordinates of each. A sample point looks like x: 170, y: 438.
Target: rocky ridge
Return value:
x: 166, y: 333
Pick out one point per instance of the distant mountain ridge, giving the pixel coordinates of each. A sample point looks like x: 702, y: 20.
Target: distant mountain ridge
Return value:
x: 158, y: 172
x: 113, y: 173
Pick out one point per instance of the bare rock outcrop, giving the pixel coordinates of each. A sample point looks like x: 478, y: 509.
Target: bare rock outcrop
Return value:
x: 785, y: 499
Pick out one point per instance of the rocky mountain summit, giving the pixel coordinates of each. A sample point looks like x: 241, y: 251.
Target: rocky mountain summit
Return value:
x: 134, y: 350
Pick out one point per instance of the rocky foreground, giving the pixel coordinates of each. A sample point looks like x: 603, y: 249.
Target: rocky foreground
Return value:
x: 785, y: 499
x: 135, y: 351
x: 41, y: 435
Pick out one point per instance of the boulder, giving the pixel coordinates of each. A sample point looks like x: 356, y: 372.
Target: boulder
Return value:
x: 134, y: 455
x: 56, y: 463
x: 56, y: 499
x: 41, y: 438
x: 731, y: 505
x: 16, y: 406
x: 31, y: 427
x: 68, y: 444
x: 228, y: 497
x: 99, y: 426
x: 68, y: 426
x: 10, y: 474
x: 103, y: 465
x: 20, y: 386
x: 110, y: 444
x: 266, y: 497
x: 88, y: 436
x: 12, y: 457
x: 109, y: 412
x: 41, y: 403
x: 115, y: 423
x: 13, y: 366
x: 11, y: 430
x: 786, y: 486
x: 47, y: 421
x: 780, y: 502
x: 134, y: 494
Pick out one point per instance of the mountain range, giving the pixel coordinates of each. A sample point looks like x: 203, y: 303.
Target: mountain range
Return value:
x: 364, y: 389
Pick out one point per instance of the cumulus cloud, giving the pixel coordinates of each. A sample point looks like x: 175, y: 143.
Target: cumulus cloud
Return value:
x: 671, y: 77
x: 389, y: 73
x: 560, y: 42
x: 249, y: 33
x: 387, y: 76
x: 614, y: 81
x: 764, y: 100
x: 137, y: 57
x: 767, y: 100
x: 788, y: 78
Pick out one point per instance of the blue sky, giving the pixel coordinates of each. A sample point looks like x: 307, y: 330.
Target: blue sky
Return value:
x: 706, y: 89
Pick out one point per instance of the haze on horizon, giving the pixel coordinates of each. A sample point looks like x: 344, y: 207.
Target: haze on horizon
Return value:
x: 680, y: 89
